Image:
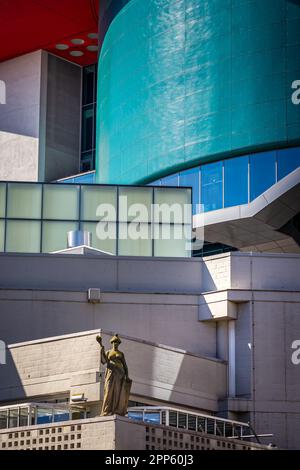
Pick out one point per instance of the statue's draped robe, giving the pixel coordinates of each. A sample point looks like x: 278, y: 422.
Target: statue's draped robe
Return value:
x: 117, y: 385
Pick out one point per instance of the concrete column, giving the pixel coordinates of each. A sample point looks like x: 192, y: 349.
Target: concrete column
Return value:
x: 231, y: 359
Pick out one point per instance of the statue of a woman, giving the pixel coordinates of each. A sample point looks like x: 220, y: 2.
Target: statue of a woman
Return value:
x: 117, y: 383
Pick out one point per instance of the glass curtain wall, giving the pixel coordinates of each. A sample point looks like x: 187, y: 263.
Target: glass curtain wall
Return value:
x: 234, y: 181
x: 36, y: 217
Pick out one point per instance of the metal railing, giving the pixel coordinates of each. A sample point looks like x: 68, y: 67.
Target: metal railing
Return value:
x: 207, y: 424
x: 30, y: 414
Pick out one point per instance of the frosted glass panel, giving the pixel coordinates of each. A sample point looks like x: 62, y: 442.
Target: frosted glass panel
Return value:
x: 172, y: 204
x: 172, y: 241
x: 23, y: 236
x: 92, y: 197
x: 2, y: 228
x: 24, y: 201
x: 129, y: 242
x: 55, y: 235
x: 2, y: 199
x: 135, y: 204
x: 61, y: 202
x: 102, y: 228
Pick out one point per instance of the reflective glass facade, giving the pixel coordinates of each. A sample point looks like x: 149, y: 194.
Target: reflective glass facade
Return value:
x: 84, y: 178
x: 187, y: 82
x: 88, y: 128
x: 235, y: 181
x: 36, y: 217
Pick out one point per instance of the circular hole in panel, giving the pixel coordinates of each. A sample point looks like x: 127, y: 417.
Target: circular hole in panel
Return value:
x: 92, y: 48
x: 77, y: 42
x: 76, y: 53
x: 62, y: 47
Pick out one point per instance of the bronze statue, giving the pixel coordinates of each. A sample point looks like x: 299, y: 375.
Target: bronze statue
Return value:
x: 117, y: 383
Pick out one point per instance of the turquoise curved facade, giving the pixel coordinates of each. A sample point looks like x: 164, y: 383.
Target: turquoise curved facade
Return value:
x: 186, y: 82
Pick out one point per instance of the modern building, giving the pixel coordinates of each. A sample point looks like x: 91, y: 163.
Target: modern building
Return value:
x: 186, y: 102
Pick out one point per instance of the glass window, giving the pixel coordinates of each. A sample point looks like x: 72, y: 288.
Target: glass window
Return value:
x: 182, y: 420
x: 262, y: 173
x: 2, y: 199
x: 23, y: 236
x: 24, y: 201
x: 88, y: 120
x: 87, y: 161
x: 13, y: 420
x: 135, y: 239
x: 135, y: 204
x: 136, y: 415
x: 171, y: 240
x: 61, y: 202
x: 55, y: 235
x: 152, y: 417
x: 104, y: 235
x: 88, y: 93
x: 191, y: 178
x: 3, y: 419
x: 44, y: 416
x: 24, y: 412
x: 171, y: 180
x: 211, y: 186
x: 192, y: 422
x: 92, y: 197
x: 288, y: 160
x: 60, y: 415
x: 89, y: 98
x: 172, y: 205
x: 2, y: 232
x: 236, y: 181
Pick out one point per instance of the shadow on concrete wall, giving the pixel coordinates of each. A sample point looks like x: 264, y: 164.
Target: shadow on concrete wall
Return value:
x: 11, y: 387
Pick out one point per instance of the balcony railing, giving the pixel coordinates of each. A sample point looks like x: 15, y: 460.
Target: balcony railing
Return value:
x: 190, y: 421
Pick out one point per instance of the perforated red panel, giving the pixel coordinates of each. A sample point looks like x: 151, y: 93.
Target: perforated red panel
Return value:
x: 26, y: 26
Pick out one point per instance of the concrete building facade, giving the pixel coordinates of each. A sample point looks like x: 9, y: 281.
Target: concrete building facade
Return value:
x: 217, y: 339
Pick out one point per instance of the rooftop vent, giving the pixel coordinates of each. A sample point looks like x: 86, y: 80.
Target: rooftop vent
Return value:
x: 79, y: 238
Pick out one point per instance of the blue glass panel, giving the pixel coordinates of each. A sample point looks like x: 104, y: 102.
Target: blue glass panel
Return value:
x: 191, y: 178
x: 68, y: 181
x: 152, y: 418
x: 262, y: 173
x: 170, y: 180
x: 85, y: 179
x: 236, y: 181
x: 288, y: 160
x: 136, y: 415
x: 211, y: 186
x: 61, y: 416
x: 80, y: 179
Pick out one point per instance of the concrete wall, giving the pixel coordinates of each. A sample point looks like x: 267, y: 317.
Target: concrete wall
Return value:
x: 267, y: 380
x: 69, y: 364
x: 113, y: 433
x: 124, y: 274
x: 19, y: 117
x: 233, y: 271
x: 40, y: 122
x: 276, y: 387
x: 56, y: 366
x: 165, y: 319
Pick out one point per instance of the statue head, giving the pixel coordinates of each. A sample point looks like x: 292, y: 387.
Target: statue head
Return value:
x: 115, y: 341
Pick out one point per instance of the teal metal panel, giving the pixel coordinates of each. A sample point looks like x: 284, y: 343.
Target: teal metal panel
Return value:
x: 184, y: 82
